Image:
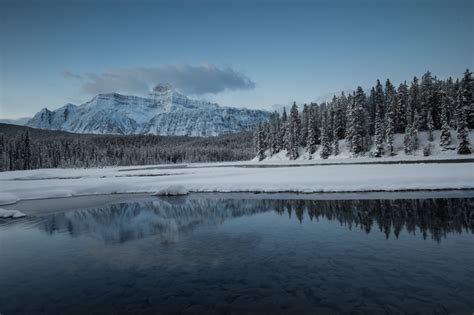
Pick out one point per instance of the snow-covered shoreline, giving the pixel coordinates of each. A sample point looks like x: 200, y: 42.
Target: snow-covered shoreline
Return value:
x: 237, y: 177
x: 14, y: 214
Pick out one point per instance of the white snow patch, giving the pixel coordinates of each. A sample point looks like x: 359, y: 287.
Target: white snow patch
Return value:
x: 173, y: 190
x: 7, y: 198
x: 11, y: 214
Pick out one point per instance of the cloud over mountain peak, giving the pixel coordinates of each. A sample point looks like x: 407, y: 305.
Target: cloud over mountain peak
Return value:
x: 189, y: 79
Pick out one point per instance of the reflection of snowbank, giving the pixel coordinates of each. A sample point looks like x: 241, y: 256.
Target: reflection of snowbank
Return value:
x: 11, y: 214
x: 173, y: 190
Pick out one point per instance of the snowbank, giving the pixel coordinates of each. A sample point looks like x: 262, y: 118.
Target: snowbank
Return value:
x: 298, y: 177
x: 173, y: 190
x: 7, y: 198
x: 11, y: 214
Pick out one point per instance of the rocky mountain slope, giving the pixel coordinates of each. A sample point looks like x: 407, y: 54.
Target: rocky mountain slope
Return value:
x: 165, y: 112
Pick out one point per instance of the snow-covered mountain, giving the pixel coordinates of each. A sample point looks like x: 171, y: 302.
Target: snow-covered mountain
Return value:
x: 166, y: 112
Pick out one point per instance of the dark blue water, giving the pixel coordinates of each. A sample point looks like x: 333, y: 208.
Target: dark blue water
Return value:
x: 243, y: 256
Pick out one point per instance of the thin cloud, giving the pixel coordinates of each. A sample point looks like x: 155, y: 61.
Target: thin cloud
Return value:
x: 69, y: 74
x: 188, y: 79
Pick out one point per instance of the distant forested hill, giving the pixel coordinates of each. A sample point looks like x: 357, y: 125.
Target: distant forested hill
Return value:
x: 29, y: 148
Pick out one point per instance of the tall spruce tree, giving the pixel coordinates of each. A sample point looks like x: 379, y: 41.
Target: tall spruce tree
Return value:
x: 413, y: 100
x: 335, y: 140
x: 325, y: 142
x: 260, y: 141
x: 358, y: 122
x: 371, y: 111
x: 349, y: 120
x: 339, y: 128
x: 445, y: 136
x: 463, y: 106
x: 402, y: 107
x: 379, y: 121
x: 294, y: 132
x: 390, y: 116
x: 284, y: 116
x: 414, y: 130
x: 426, y: 99
x: 286, y: 137
x: 436, y: 104
x: 312, y: 137
x: 274, y: 136
x: 304, y: 125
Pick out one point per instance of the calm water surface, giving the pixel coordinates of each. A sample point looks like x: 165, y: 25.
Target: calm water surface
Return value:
x: 195, y: 255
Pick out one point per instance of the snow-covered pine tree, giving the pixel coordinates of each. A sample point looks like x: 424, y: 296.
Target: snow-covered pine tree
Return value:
x: 315, y: 112
x: 339, y: 128
x: 426, y: 99
x: 260, y: 142
x: 268, y: 134
x: 390, y: 129
x: 280, y: 135
x: 284, y: 116
x: 277, y: 135
x: 325, y: 142
x: 335, y: 140
x: 312, y: 137
x: 331, y: 123
x: 379, y: 121
x: 349, y: 120
x: 286, y: 136
x: 371, y: 111
x: 27, y: 151
x: 451, y: 95
x: 255, y: 138
x: 414, y: 130
x: 358, y: 122
x: 436, y: 104
x: 463, y: 106
x: 304, y: 125
x: 413, y: 100
x: 445, y: 136
x: 402, y: 107
x: 342, y: 104
x: 390, y: 115
x: 272, y: 135
x: 430, y: 126
x: 294, y: 129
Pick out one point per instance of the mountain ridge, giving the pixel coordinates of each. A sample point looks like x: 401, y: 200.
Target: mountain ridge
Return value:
x: 165, y: 112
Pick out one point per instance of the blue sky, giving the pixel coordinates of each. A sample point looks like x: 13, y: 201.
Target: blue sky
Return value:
x: 251, y: 54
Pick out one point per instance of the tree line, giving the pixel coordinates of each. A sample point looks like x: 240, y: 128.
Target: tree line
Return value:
x: 27, y: 148
x: 371, y: 121
x: 435, y: 218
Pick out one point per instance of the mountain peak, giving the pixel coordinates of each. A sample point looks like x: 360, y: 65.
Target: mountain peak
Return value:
x: 111, y: 95
x: 163, y: 88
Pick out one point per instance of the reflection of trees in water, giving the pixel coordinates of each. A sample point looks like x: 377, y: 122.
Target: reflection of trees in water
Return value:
x: 129, y: 221
x: 434, y: 217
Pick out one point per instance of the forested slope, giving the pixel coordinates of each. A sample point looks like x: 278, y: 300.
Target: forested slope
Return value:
x: 30, y: 148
